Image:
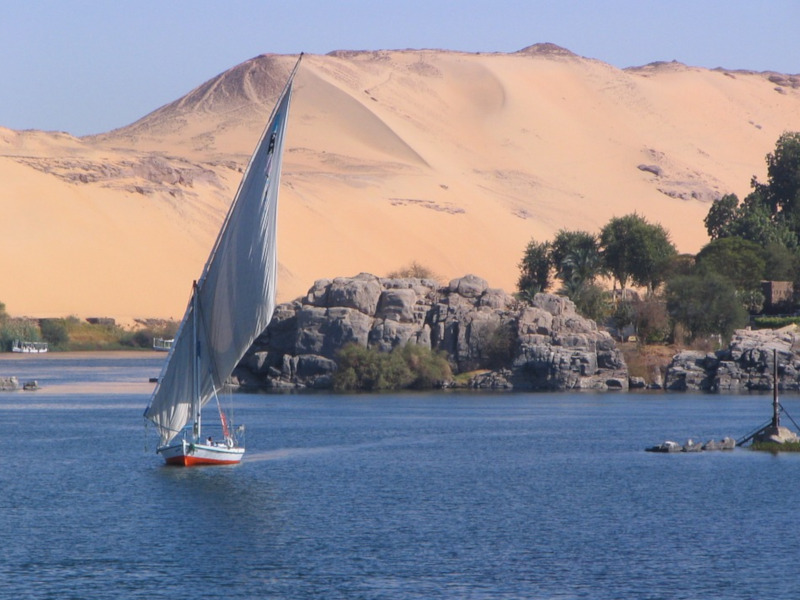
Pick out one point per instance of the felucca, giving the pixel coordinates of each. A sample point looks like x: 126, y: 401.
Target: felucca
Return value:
x: 231, y: 304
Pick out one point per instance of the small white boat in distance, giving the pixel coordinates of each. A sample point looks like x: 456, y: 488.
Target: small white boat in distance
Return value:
x: 231, y: 304
x: 162, y: 345
x: 29, y: 347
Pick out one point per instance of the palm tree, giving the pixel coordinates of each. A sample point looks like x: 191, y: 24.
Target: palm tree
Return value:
x: 582, y: 265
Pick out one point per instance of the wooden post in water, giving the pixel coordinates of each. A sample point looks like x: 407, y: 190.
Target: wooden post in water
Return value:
x: 776, y: 412
x: 773, y: 436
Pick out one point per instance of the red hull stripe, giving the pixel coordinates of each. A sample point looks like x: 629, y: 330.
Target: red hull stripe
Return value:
x: 190, y: 455
x: 193, y: 461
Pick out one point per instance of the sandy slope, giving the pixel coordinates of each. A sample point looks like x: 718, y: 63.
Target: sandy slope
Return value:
x: 453, y: 160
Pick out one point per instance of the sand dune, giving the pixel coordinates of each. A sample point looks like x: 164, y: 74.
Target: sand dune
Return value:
x: 453, y: 160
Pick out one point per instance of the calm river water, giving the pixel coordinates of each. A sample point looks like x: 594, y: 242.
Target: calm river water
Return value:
x: 389, y: 496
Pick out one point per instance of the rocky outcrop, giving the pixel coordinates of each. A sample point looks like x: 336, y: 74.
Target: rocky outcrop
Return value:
x: 670, y: 447
x: 745, y: 365
x: 9, y: 384
x: 775, y: 434
x: 542, y: 346
x: 558, y: 349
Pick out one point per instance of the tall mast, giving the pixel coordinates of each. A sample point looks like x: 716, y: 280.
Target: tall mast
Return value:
x: 235, y: 292
x: 195, y: 367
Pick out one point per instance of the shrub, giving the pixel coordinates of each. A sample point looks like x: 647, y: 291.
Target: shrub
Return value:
x: 55, y: 332
x: 593, y: 302
x: 651, y: 320
x: 497, y: 344
x: 361, y: 368
x: 622, y: 316
x: 775, y: 448
x: 775, y: 322
x: 406, y: 367
x: 429, y: 369
x: 752, y: 300
x: 414, y: 269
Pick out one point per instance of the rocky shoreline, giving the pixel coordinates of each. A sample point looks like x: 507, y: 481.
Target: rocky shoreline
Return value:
x: 745, y: 365
x: 9, y: 384
x: 507, y: 344
x: 670, y: 447
x: 546, y: 345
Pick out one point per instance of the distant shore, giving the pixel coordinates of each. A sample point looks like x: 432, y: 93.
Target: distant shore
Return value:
x: 81, y: 354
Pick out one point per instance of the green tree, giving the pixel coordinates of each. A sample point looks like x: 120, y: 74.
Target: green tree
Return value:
x: 577, y: 260
x: 535, y: 268
x: 781, y: 264
x: 721, y: 215
x: 581, y: 266
x: 658, y: 254
x: 681, y: 264
x: 771, y: 212
x: 575, y: 255
x: 783, y: 178
x: 636, y: 250
x: 756, y: 222
x: 618, y: 253
x: 705, y: 305
x: 739, y: 260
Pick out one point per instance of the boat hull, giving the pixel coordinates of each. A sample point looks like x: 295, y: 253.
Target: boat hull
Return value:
x: 29, y: 347
x: 187, y: 454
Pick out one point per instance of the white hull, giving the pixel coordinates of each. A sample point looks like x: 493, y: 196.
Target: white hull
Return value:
x: 187, y: 454
x: 29, y: 347
x: 162, y: 345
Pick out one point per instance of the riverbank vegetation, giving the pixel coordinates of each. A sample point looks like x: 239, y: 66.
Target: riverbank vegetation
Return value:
x: 684, y: 299
x: 406, y: 367
x: 74, y: 334
x: 774, y: 447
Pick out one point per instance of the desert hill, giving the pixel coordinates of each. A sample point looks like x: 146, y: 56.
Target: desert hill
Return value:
x: 450, y: 159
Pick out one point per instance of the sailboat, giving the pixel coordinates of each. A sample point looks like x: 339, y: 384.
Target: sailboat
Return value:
x: 230, y: 305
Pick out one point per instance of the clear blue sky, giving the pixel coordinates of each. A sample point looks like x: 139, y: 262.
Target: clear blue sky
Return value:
x: 87, y: 66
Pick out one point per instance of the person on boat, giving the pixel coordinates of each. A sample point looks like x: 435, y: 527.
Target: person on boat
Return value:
x: 210, y: 441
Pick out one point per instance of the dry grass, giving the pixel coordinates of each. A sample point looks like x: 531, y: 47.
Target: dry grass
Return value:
x: 648, y: 361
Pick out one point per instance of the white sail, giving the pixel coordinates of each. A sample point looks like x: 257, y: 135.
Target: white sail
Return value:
x: 234, y: 299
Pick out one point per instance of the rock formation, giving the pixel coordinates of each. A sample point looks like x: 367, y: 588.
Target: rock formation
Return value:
x: 670, y: 447
x: 745, y: 365
x: 9, y: 384
x: 542, y: 346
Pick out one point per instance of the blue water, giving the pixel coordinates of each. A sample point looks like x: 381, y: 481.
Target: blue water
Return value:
x: 389, y: 496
